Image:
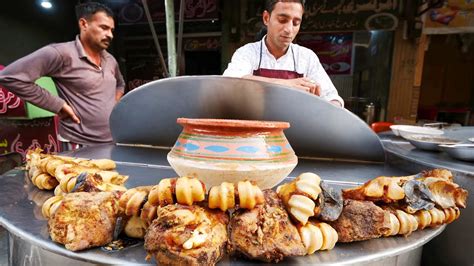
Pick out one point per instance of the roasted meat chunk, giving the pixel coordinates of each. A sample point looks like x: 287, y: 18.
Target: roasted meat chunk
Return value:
x: 187, y: 235
x: 361, y: 220
x: 265, y: 232
x: 84, y: 220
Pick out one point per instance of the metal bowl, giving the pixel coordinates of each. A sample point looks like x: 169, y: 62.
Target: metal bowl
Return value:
x: 464, y: 152
x: 428, y: 142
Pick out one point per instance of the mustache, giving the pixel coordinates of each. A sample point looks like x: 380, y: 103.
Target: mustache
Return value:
x: 108, y: 39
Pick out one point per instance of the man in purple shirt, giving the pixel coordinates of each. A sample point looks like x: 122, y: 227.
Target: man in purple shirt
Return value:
x: 87, y: 77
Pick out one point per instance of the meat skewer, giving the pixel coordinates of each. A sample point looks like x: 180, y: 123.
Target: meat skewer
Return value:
x: 226, y: 195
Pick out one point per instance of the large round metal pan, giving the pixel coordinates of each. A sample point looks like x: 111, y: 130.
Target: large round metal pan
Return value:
x: 20, y: 214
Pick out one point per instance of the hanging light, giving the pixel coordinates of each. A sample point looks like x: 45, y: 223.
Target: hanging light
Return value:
x: 46, y: 4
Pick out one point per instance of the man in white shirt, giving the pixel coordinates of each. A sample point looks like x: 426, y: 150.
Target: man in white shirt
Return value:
x: 276, y: 59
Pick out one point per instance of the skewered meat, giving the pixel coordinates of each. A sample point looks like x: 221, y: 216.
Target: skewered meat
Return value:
x: 132, y: 201
x: 404, y: 223
x: 382, y: 188
x: 445, y: 193
x: 361, y: 220
x: 440, y: 173
x: 182, y: 190
x: 299, y: 195
x: 417, y: 196
x: 86, y: 182
x: 135, y: 227
x: 317, y: 236
x: 46, y: 171
x: 67, y: 169
x: 140, y: 213
x: 33, y: 158
x: 225, y: 196
x: 84, y: 220
x: 187, y: 235
x: 329, y: 205
x: 401, y: 223
x: 265, y: 232
x: 42, y: 180
x: 51, y: 205
x: 103, y: 164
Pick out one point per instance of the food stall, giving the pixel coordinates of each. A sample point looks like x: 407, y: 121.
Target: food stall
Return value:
x: 328, y: 140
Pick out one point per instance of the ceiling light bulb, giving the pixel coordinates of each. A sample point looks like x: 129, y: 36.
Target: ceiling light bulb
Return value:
x: 46, y: 4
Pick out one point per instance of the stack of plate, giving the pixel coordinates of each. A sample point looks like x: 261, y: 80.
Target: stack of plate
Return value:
x: 430, y: 139
x: 405, y: 130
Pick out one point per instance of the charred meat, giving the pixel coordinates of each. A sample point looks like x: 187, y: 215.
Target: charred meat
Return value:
x: 265, y: 232
x: 187, y: 235
x: 361, y: 220
x: 84, y: 220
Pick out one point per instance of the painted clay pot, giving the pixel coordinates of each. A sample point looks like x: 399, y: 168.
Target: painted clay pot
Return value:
x: 220, y: 150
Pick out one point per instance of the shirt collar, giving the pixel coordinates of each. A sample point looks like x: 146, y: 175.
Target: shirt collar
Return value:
x: 80, y: 49
x: 265, y: 48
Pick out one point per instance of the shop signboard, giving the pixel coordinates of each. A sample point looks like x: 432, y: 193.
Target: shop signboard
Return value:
x: 195, y: 10
x: 23, y: 135
x: 455, y: 16
x: 10, y: 104
x: 334, y: 50
x: 351, y: 15
x: 342, y: 15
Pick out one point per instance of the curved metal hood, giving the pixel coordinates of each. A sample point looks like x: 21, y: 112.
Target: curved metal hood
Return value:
x: 147, y: 115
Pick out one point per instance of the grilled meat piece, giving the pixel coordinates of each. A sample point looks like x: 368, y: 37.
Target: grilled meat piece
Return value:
x: 187, y: 235
x: 265, y: 232
x: 382, y: 188
x: 84, y: 220
x: 361, y: 220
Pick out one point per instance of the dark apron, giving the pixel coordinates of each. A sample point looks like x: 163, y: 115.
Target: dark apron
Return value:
x: 276, y: 73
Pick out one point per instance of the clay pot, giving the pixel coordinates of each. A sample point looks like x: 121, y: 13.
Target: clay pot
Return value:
x: 220, y: 150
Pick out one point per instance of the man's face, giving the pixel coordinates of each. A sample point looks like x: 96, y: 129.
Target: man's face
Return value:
x: 98, y: 31
x: 283, y: 24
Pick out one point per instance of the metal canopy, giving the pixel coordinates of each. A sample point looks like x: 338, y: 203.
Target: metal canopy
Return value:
x: 147, y: 115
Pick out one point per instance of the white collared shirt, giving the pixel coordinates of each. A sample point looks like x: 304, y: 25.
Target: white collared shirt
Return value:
x: 246, y: 59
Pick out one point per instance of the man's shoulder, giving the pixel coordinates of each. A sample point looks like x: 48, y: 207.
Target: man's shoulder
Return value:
x: 303, y: 50
x: 63, y: 45
x: 64, y: 48
x: 250, y: 47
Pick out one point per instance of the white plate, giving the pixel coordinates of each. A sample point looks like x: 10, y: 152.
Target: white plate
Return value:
x: 471, y: 139
x: 405, y: 130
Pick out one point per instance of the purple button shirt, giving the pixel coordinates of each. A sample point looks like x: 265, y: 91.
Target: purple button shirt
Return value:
x: 90, y: 90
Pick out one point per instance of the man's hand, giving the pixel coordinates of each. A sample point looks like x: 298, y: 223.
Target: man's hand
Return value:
x: 118, y: 95
x: 305, y: 84
x: 67, y: 112
x: 336, y: 103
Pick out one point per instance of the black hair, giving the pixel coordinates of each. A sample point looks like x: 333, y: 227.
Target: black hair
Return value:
x: 270, y: 4
x: 88, y: 9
